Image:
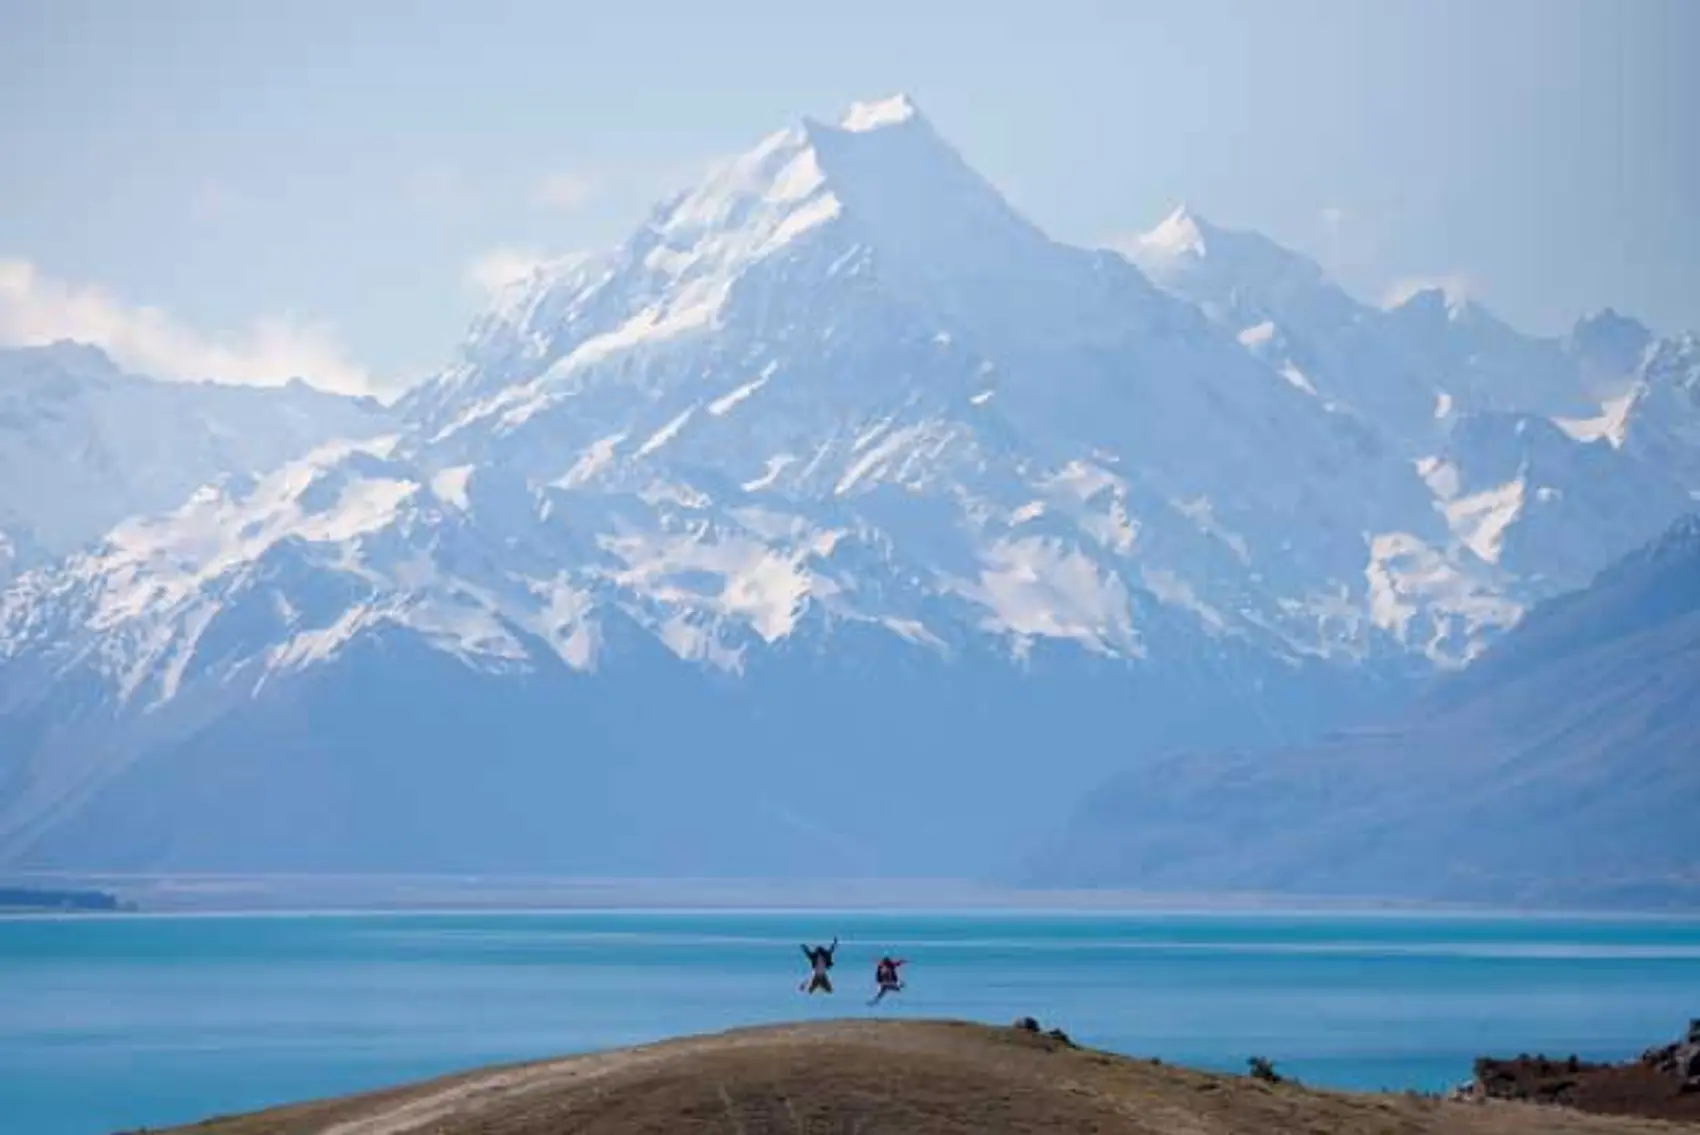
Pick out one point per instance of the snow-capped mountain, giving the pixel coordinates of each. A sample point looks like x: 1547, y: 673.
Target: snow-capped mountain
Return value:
x: 1283, y: 308
x: 1433, y: 355
x: 1521, y: 440
x: 84, y: 445
x: 838, y: 513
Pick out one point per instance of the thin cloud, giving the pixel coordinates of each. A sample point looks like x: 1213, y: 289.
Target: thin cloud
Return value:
x: 36, y: 309
x: 1332, y: 218
x: 565, y: 192
x: 492, y: 272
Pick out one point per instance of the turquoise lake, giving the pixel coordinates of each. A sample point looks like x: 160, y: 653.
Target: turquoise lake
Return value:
x: 116, y: 1022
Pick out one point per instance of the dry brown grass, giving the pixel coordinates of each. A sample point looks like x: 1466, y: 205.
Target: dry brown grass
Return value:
x: 882, y: 1078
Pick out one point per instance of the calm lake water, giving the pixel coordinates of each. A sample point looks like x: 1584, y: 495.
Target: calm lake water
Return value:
x: 118, y: 1022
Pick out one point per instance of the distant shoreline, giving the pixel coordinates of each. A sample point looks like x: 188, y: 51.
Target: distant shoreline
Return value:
x: 351, y: 894
x: 35, y: 900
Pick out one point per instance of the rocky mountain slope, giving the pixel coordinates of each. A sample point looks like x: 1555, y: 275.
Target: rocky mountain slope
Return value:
x: 1562, y: 768
x: 838, y: 521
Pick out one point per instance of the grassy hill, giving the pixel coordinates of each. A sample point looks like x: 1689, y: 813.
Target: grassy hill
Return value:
x: 886, y: 1077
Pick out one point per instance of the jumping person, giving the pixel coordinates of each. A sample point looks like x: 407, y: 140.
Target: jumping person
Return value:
x: 885, y: 976
x: 820, y: 960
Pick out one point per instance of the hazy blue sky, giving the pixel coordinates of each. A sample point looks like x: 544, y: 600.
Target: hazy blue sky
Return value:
x: 309, y: 183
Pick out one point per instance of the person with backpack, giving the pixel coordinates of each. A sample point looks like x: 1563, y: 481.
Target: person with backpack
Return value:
x: 885, y: 976
x: 820, y: 960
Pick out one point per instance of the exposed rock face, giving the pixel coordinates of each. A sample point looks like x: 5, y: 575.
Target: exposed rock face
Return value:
x: 1663, y: 1082
x: 1680, y: 1061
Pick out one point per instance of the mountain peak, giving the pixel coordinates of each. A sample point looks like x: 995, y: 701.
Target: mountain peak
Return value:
x: 1608, y: 324
x: 71, y: 357
x: 1608, y: 344
x: 1182, y: 233
x: 1239, y: 277
x: 1442, y: 301
x: 879, y: 114
x: 879, y: 182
